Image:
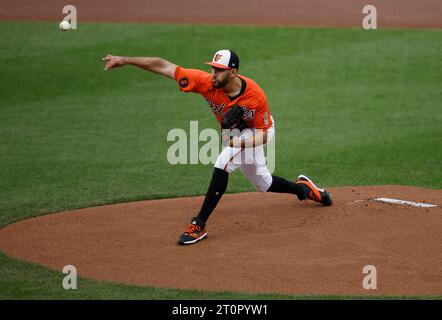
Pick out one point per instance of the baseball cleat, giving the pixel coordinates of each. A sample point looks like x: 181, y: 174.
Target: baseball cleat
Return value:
x: 313, y: 192
x: 194, y: 233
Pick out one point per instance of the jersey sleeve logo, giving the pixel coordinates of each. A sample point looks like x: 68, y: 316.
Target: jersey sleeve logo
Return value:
x: 184, y: 82
x: 266, y: 119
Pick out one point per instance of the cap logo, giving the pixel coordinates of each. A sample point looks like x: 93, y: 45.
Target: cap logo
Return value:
x: 217, y: 57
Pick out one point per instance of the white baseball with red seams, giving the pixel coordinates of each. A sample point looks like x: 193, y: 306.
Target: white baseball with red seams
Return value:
x: 65, y: 26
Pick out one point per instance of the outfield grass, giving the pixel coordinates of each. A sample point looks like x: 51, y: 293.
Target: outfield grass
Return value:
x: 352, y: 107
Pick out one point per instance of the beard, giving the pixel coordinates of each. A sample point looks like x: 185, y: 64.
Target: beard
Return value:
x: 221, y: 83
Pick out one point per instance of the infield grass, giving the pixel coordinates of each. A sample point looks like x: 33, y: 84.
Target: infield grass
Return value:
x: 351, y: 107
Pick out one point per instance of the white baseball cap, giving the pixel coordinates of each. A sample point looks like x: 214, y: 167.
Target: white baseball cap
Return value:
x: 225, y: 59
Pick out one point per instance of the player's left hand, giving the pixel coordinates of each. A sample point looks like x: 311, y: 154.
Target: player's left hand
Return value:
x: 113, y: 62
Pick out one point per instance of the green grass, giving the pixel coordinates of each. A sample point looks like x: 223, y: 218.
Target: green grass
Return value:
x: 352, y: 107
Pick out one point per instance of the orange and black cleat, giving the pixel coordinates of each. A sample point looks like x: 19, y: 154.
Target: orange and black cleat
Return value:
x: 313, y: 192
x: 195, y: 232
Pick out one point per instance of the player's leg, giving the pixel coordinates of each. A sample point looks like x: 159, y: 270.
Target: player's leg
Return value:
x: 257, y: 173
x: 282, y: 185
x: 227, y: 162
x: 304, y: 188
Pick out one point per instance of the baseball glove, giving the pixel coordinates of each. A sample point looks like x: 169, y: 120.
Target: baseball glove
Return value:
x: 233, y: 119
x: 232, y: 124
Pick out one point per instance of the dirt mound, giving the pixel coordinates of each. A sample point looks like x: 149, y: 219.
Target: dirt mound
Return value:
x: 256, y: 243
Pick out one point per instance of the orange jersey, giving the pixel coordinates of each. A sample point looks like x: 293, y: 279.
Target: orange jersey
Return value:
x: 252, y: 100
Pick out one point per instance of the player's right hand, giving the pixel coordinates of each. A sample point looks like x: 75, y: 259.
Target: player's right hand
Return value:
x: 113, y: 62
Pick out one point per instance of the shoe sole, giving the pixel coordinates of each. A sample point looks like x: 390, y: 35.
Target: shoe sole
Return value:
x: 194, y: 241
x: 309, y: 180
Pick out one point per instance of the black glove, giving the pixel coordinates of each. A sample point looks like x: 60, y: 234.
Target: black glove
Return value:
x: 232, y: 123
x: 233, y: 119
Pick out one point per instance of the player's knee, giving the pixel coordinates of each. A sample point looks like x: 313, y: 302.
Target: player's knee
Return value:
x: 261, y: 188
x: 222, y: 166
x: 226, y: 161
x: 263, y: 184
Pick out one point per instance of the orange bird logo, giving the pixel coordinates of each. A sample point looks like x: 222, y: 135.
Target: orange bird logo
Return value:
x: 217, y: 57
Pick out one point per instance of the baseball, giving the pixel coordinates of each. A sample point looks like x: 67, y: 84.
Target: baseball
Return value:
x: 64, y: 26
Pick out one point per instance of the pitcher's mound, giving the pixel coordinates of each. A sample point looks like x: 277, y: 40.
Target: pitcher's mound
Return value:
x: 256, y: 243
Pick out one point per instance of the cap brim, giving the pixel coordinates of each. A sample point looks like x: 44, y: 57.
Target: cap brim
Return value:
x: 217, y: 65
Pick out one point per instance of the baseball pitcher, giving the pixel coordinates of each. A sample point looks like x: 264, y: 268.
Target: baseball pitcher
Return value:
x: 241, y: 108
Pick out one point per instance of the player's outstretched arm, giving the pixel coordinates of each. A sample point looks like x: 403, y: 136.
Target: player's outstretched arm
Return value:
x: 152, y: 64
